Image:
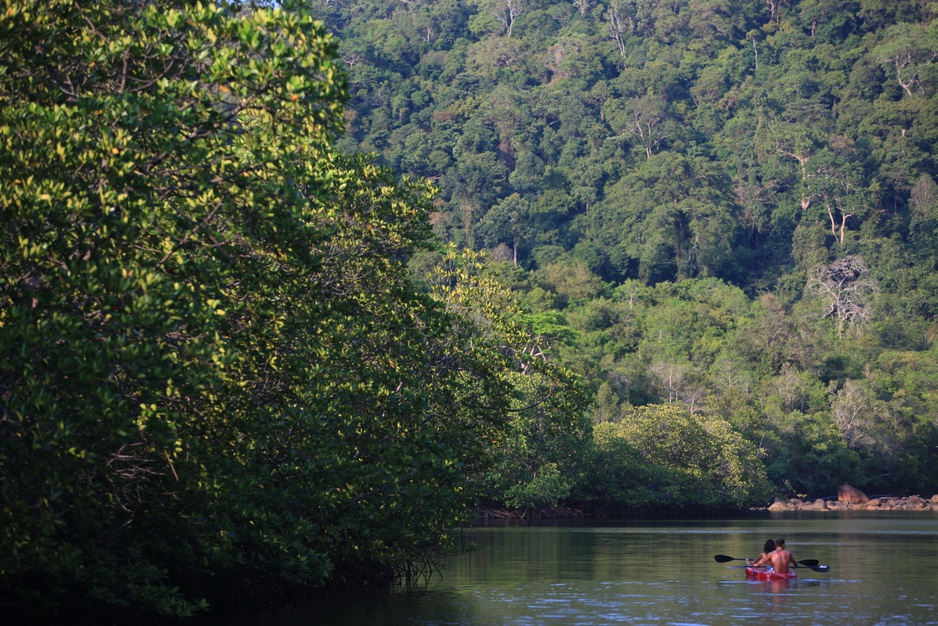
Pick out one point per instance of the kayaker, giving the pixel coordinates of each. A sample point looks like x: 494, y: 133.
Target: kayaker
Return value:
x: 768, y: 548
x: 780, y: 558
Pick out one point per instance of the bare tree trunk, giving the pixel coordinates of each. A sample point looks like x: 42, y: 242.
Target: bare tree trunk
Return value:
x: 582, y: 5
x: 901, y: 61
x: 846, y: 288
x: 615, y: 26
x: 802, y: 159
x: 506, y: 13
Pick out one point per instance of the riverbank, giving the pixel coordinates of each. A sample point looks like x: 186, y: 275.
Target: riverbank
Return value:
x: 885, y: 503
x: 833, y: 503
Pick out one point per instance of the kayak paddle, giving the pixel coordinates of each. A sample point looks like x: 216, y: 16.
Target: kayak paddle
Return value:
x: 818, y: 568
x: 722, y: 558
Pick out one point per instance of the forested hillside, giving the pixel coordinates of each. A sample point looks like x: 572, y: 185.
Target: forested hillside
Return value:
x: 727, y: 206
x: 279, y: 308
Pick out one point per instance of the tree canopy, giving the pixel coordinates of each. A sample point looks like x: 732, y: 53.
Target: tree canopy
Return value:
x: 217, y: 371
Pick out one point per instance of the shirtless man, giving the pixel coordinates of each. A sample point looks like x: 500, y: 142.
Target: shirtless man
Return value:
x: 780, y: 558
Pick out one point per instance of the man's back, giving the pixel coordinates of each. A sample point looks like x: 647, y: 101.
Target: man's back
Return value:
x: 780, y: 560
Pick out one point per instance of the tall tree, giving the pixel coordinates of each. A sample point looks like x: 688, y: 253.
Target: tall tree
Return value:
x: 845, y: 287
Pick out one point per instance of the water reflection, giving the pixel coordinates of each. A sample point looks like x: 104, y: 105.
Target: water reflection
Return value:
x: 665, y: 573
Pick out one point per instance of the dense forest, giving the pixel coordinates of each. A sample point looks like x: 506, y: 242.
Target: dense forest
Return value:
x: 725, y: 206
x: 288, y: 289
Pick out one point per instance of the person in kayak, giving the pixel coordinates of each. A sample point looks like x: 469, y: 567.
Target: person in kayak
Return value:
x: 768, y: 548
x: 780, y: 558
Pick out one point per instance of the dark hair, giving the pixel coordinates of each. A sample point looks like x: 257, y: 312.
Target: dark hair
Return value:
x: 780, y: 543
x: 769, y: 546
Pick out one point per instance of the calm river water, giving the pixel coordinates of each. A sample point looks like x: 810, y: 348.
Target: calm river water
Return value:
x: 883, y: 570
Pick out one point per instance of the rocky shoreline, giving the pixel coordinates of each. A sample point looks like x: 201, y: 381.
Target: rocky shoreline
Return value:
x: 885, y: 503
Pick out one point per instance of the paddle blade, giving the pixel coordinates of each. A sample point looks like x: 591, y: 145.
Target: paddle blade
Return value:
x: 809, y: 562
x: 722, y: 558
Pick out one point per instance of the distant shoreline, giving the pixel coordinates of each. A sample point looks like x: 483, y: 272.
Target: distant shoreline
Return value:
x: 885, y: 503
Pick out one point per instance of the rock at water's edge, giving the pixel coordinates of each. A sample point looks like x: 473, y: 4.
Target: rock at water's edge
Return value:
x: 851, y: 495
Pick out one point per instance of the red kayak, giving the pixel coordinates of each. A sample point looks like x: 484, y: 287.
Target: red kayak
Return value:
x: 759, y: 573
